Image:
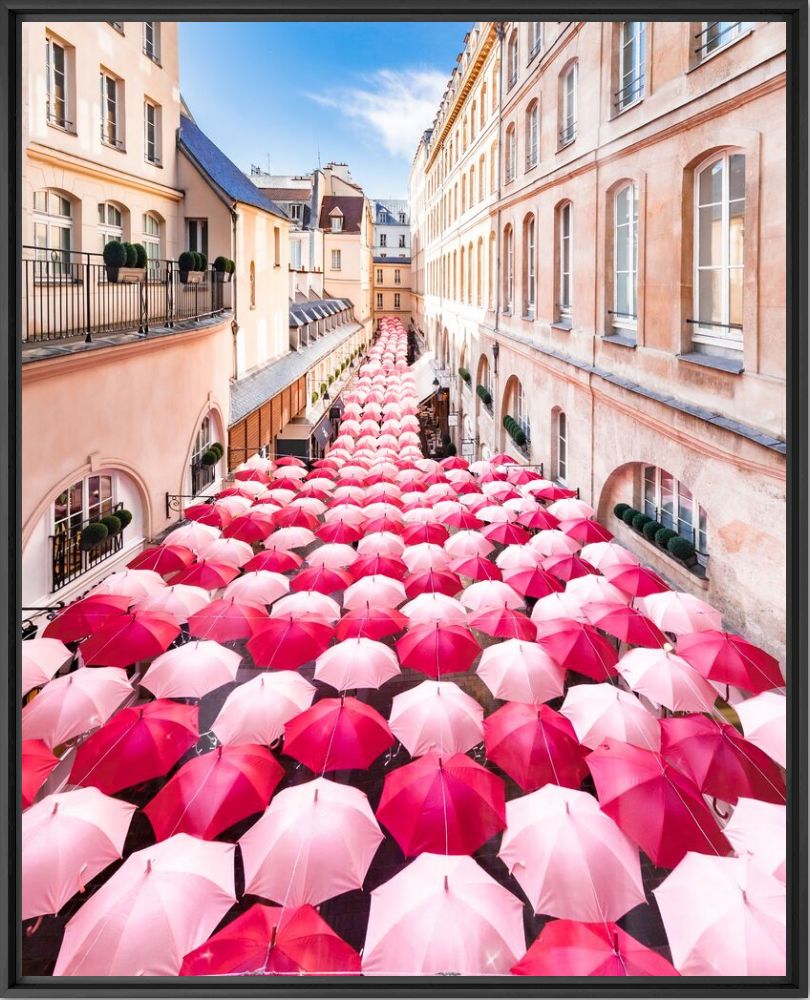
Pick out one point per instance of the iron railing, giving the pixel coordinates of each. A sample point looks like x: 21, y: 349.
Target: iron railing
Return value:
x: 716, y: 34
x: 70, y: 561
x: 67, y: 294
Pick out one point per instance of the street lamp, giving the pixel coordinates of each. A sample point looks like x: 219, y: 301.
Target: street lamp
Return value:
x: 496, y: 350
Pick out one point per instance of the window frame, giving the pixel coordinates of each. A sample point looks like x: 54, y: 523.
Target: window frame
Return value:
x: 152, y: 240
x: 565, y: 278
x: 509, y: 270
x: 511, y: 152
x: 561, y: 430
x: 535, y: 38
x: 199, y: 227
x: 735, y: 31
x: 151, y: 48
x: 62, y: 121
x: 117, y: 140
x: 530, y: 260
x: 568, y: 105
x: 336, y: 261
x: 636, y: 74
x: 698, y: 524
x: 626, y: 322
x: 51, y: 221
x: 156, y: 127
x: 512, y: 60
x: 532, y: 135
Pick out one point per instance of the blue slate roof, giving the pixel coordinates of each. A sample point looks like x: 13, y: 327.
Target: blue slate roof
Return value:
x: 222, y: 171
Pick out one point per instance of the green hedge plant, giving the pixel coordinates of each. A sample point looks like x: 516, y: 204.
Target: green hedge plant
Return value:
x: 221, y: 265
x: 650, y: 530
x: 640, y: 519
x: 115, y: 254
x: 218, y: 448
x: 464, y: 373
x: 140, y: 254
x: 186, y: 261
x: 125, y: 517
x: 484, y: 394
x: 132, y: 255
x: 620, y: 508
x: 681, y: 548
x: 93, y: 534
x: 628, y: 515
x: 210, y: 457
x: 663, y: 536
x: 112, y: 523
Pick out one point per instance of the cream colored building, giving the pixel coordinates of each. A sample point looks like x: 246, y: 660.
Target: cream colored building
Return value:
x: 392, y: 289
x: 602, y: 242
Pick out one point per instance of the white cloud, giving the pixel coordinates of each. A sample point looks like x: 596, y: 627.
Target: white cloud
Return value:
x: 396, y: 105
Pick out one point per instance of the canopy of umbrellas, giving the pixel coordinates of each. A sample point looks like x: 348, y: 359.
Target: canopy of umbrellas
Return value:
x: 432, y: 568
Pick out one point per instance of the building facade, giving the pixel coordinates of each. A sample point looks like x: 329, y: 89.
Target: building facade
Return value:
x: 392, y: 229
x: 602, y: 243
x: 392, y: 288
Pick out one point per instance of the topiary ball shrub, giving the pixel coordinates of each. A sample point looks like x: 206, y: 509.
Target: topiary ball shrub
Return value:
x: 231, y: 266
x: 663, y: 536
x: 323, y: 388
x: 93, y: 534
x: 132, y: 255
x: 198, y: 260
x: 221, y: 264
x: 140, y: 254
x: 115, y: 254
x: 649, y: 530
x: 519, y: 437
x: 125, y: 517
x: 639, y: 520
x: 620, y: 508
x: 681, y: 548
x: 315, y: 398
x: 210, y: 457
x: 218, y: 448
x: 113, y: 524
x: 186, y: 261
x: 203, y: 262
x: 629, y: 514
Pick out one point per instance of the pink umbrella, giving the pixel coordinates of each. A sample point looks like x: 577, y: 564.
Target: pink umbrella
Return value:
x: 134, y: 583
x: 569, y: 507
x: 207, y: 574
x: 436, y: 716
x: 163, y: 559
x: 637, y: 581
x: 337, y: 734
x: 576, y: 645
x: 388, y: 566
x: 758, y: 830
x: 443, y: 915
x: 464, y: 544
x: 503, y: 623
x: 667, y: 679
x: 381, y: 543
x: 724, y: 917
x: 601, y: 711
x: 208, y: 514
x: 315, y: 841
x: 489, y: 594
x: 424, y: 557
x: 179, y: 600
x: 435, y: 608
x: 321, y: 579
x: 259, y: 588
x: 378, y: 591
x: 275, y: 560
x: 558, y: 842
x: 605, y: 555
x: 228, y: 552
x: 225, y: 620
x: 334, y: 555
x: 41, y: 658
x: 307, y: 604
x: 535, y: 746
x: 37, y: 764
x: 624, y: 623
x: 194, y: 535
x: 553, y: 543
x: 356, y: 663
x: 556, y: 606
x: 729, y: 659
x: 521, y: 671
x: 257, y: 711
x: 73, y: 704
x: 68, y: 839
x: 293, y: 538
x: 162, y: 903
x: 675, y: 612
x: 476, y: 568
x: 191, y: 670
x: 584, y: 530
x: 764, y: 724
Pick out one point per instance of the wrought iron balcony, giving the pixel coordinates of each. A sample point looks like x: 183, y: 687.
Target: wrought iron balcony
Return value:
x: 70, y: 561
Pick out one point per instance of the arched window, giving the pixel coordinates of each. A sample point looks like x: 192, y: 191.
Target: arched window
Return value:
x: 482, y: 179
x: 151, y: 241
x: 512, y: 60
x: 511, y: 153
x: 473, y: 119
x: 529, y: 265
x: 472, y: 185
x: 462, y: 275
x: 470, y: 274
x: 84, y: 502
x: 559, y: 445
x: 565, y: 259
x: 535, y: 37
x: 719, y: 239
x: 568, y: 105
x: 532, y: 134
x: 464, y: 135
x: 202, y: 473
x: 110, y: 223
x: 625, y: 257
x: 491, y: 273
x: 673, y: 505
x: 493, y: 167
x: 479, y: 273
x: 53, y: 229
x: 252, y: 285
x: 508, y: 268
x: 483, y: 111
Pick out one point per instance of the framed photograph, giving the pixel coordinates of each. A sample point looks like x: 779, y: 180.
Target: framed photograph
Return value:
x: 407, y: 500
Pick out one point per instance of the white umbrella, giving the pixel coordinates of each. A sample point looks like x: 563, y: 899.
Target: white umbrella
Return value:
x: 256, y: 712
x: 436, y: 716
x: 601, y: 711
x: 759, y: 830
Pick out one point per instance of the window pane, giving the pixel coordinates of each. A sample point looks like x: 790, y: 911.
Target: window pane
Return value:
x: 735, y: 296
x: 710, y: 293
x: 736, y: 234
x: 667, y: 500
x: 710, y: 235
x: 711, y: 184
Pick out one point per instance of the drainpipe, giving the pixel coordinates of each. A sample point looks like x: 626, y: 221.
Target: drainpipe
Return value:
x: 500, y: 30
x: 234, y: 288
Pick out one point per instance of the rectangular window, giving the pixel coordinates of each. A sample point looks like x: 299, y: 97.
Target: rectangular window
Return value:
x: 276, y: 246
x: 197, y: 235
x: 532, y: 129
x: 295, y: 254
x: 631, y: 65
x: 625, y: 259
x: 151, y: 241
x: 336, y: 260
x: 56, y: 82
x: 383, y: 240
x: 397, y: 300
x: 337, y: 224
x: 562, y: 448
x: 565, y: 263
x: 397, y: 276
x: 379, y: 300
x: 568, y: 122
x: 111, y: 132
x: 716, y: 34
x: 402, y: 241
x: 296, y: 211
x: 379, y: 276
x: 535, y: 37
x: 151, y: 126
x: 151, y: 40
x: 673, y: 505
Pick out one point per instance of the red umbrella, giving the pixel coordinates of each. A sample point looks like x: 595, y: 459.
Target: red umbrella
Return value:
x: 251, y: 476
x: 568, y: 567
x: 273, y: 941
x: 421, y: 531
x: 215, y: 790
x: 295, y: 517
x: 384, y: 523
x: 627, y: 624
x: 287, y: 643
x: 570, y: 948
x: 86, y: 616
x: 730, y: 659
x: 225, y: 619
x: 438, y: 806
x: 290, y: 460
x: 432, y: 582
x: 720, y: 761
x: 235, y: 491
x: 555, y: 493
x: 535, y: 746
x: 506, y: 533
x: 137, y: 744
x: 519, y: 477
x: 454, y: 462
x: 585, y: 530
x: 208, y: 513
x: 339, y: 531
x: 504, y: 623
x: 208, y: 575
x: 654, y: 803
x: 578, y: 646
x: 322, y: 579
x: 538, y: 520
x: 638, y: 581
x: 462, y: 519
x: 139, y: 635
x: 163, y: 559
x: 436, y: 649
x: 533, y: 581
x: 37, y: 763
x: 370, y: 623
x: 275, y: 560
x: 251, y: 527
x: 337, y: 734
x: 285, y: 483
x: 378, y: 565
x: 476, y: 568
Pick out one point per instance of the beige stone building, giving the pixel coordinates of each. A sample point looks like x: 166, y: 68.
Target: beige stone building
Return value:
x: 392, y: 289
x: 602, y: 244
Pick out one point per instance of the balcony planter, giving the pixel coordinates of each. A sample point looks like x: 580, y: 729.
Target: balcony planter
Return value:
x: 190, y: 264
x: 223, y: 269
x: 515, y: 432
x: 210, y: 457
x: 678, y: 548
x: 682, y: 550
x: 113, y: 524
x: 92, y: 535
x: 465, y: 375
x: 125, y: 264
x: 484, y: 395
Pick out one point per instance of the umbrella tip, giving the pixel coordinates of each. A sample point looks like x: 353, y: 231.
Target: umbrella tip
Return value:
x: 55, y: 807
x: 315, y: 799
x: 668, y: 647
x: 615, y: 942
x: 149, y: 866
x: 446, y: 884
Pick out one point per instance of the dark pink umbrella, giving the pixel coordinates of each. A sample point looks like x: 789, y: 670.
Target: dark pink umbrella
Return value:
x: 37, y: 763
x: 464, y: 520
x: 504, y: 623
x: 476, y: 568
x: 384, y: 523
x: 627, y: 624
x: 378, y: 565
x: 555, y: 493
x: 730, y: 659
x: 533, y: 581
x: 295, y: 517
x: 251, y: 527
x: 208, y: 575
x: 370, y: 623
x: 505, y: 533
x: 585, y: 530
x: 337, y: 734
x: 163, y: 559
x: 285, y: 643
x: 251, y: 476
x: 538, y: 520
x: 339, y: 531
x: 226, y: 619
x: 432, y: 582
x: 139, y: 635
x: 576, y: 645
x: 322, y: 579
x: 568, y: 567
x: 274, y: 559
x: 437, y: 649
x: 638, y: 581
x: 421, y: 531
x: 208, y: 513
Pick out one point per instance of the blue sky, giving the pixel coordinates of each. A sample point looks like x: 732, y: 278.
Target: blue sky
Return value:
x: 363, y: 92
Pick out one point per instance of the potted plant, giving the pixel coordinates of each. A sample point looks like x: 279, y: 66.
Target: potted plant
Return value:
x: 188, y: 263
x: 663, y: 536
x: 485, y: 395
x: 628, y: 516
x: 222, y: 269
x: 210, y: 457
x: 124, y: 262
x: 113, y: 524
x: 651, y: 529
x: 620, y: 508
x: 464, y: 373
x: 125, y: 517
x: 218, y: 448
x: 315, y: 398
x: 682, y: 550
x: 323, y: 389
x: 92, y: 535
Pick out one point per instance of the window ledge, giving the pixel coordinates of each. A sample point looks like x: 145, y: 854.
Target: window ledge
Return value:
x: 112, y: 145
x: 568, y: 142
x: 562, y: 324
x: 732, y: 366
x: 622, y: 339
x: 62, y: 128
x: 723, y: 48
x: 627, y: 107
x: 531, y: 166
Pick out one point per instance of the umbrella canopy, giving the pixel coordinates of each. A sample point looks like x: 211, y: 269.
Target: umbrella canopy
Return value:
x: 570, y: 859
x: 321, y: 579
x: 625, y: 623
x: 139, y: 635
x: 535, y: 746
x: 720, y: 761
x: 758, y: 830
x: 576, y: 645
x: 271, y: 941
x: 207, y: 574
x: 658, y: 807
x: 436, y: 649
x: 379, y: 591
x: 73, y: 704
x: 215, y: 790
x: 488, y: 594
x: 84, y: 617
x: 568, y: 948
x: 287, y: 643
x: 41, y: 658
x: 532, y: 581
x: 159, y: 905
x: 568, y: 567
x: 377, y: 565
x: 438, y: 804
x: 191, y: 671
x: 476, y: 568
x: 275, y: 560
x: 356, y: 663
x: 37, y: 764
x: 436, y: 716
x: 735, y: 925
x: 332, y: 556
x: 667, y: 679
x: 132, y: 583
x: 251, y: 527
x: 432, y: 581
x: 137, y: 744
x: 315, y: 841
x: 257, y: 711
x: 730, y: 659
x: 764, y: 724
x: 518, y: 670
x: 464, y: 544
x: 260, y: 587
x: 69, y: 838
x: 673, y: 611
x: 505, y: 533
x: 208, y: 514
x: 339, y: 532
x: 585, y: 530
x: 603, y: 555
x: 601, y: 711
x: 370, y: 622
x: 433, y: 608
x: 163, y: 559
x: 179, y: 601
x: 443, y: 914
x: 634, y: 580
x: 307, y: 604
x: 226, y: 619
x: 503, y: 623
x: 194, y: 536
x: 337, y: 734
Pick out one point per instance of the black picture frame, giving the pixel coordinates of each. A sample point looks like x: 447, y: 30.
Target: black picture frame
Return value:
x: 795, y: 983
